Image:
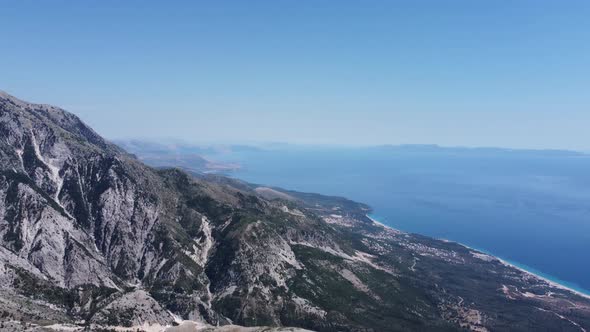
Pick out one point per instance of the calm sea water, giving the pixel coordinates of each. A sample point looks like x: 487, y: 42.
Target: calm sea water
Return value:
x: 530, y: 208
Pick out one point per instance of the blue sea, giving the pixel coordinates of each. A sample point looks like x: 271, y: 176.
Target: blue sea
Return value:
x: 530, y: 208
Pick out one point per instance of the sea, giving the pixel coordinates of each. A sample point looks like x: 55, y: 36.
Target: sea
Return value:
x: 529, y: 208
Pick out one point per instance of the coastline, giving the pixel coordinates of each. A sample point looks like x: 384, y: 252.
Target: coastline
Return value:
x: 379, y: 223
x: 548, y: 279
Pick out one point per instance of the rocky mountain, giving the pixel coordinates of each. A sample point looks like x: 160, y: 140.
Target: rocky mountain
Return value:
x: 91, y: 238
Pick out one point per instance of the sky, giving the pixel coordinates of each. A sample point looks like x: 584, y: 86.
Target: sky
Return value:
x: 504, y: 73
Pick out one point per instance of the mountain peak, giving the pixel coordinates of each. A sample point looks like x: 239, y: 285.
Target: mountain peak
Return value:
x: 6, y: 97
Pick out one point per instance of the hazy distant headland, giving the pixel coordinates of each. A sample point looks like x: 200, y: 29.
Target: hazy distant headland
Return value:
x: 211, y: 157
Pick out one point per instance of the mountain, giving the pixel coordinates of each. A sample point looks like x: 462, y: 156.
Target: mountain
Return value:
x: 475, y: 151
x: 92, y: 238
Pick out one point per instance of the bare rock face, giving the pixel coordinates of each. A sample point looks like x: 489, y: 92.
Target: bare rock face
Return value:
x: 92, y: 238
x: 132, y: 309
x: 75, y: 210
x: 70, y: 206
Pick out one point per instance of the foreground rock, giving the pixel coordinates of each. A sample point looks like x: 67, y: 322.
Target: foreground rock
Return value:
x: 90, y: 237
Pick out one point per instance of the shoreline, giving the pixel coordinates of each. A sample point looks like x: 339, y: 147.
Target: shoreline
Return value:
x: 547, y: 279
x: 550, y: 282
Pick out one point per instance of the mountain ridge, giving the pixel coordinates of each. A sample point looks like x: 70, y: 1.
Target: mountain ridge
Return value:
x: 92, y: 238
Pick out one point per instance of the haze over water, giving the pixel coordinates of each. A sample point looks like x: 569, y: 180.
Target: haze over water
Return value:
x: 530, y: 208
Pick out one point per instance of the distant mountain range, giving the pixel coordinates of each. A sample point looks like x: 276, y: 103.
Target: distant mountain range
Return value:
x: 206, y: 158
x: 92, y: 238
x: 432, y: 148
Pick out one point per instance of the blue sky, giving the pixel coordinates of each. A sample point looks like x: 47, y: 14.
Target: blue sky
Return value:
x: 502, y: 73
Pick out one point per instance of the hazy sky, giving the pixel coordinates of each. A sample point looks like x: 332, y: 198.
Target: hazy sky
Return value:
x: 474, y: 73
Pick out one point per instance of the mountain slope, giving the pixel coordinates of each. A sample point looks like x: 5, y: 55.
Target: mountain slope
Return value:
x: 90, y: 236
